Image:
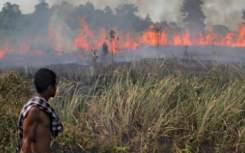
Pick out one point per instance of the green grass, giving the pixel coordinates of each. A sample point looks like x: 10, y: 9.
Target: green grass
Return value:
x: 154, y: 108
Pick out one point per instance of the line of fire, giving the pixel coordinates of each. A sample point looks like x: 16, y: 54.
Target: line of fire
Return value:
x: 87, y: 41
x: 117, y: 41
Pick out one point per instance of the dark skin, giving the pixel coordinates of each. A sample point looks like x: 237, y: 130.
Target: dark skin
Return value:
x: 36, y: 126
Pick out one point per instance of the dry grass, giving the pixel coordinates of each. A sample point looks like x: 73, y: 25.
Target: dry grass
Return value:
x: 153, y: 107
x: 136, y: 112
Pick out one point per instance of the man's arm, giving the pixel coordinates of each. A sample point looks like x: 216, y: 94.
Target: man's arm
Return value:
x: 29, y: 128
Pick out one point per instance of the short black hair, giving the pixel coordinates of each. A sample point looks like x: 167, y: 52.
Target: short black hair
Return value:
x: 43, y: 79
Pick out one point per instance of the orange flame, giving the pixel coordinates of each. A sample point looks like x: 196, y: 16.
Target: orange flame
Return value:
x: 6, y: 50
x: 80, y: 56
x: 82, y: 40
x: 56, y: 40
x: 59, y: 53
x: 87, y: 41
x: 25, y: 49
x: 2, y: 53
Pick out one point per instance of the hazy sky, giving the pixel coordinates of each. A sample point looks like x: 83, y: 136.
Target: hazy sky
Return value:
x: 226, y: 12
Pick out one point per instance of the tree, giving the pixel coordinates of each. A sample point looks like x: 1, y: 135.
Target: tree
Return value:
x: 63, y: 13
x: 10, y: 16
x: 221, y: 30
x: 126, y: 9
x: 146, y: 22
x: 42, y: 6
x: 108, y: 18
x: 193, y: 15
x: 127, y: 20
x: 41, y: 16
x: 89, y: 6
x: 108, y: 10
x: 164, y: 25
x: 173, y: 28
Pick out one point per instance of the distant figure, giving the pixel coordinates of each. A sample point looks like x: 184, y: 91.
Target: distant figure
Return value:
x: 37, y: 119
x: 94, y: 55
x: 105, y: 49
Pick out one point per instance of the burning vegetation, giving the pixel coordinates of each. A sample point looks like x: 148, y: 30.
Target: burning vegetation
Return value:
x: 76, y: 31
x: 86, y: 40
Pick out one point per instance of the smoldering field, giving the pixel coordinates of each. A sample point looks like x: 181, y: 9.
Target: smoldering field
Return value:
x: 206, y: 54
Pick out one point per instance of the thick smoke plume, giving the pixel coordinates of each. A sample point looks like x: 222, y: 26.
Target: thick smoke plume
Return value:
x: 61, y: 31
x: 225, y: 12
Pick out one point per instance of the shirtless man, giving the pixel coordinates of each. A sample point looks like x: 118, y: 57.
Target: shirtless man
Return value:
x: 37, y: 118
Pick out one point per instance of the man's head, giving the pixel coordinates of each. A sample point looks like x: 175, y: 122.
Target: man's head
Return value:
x: 45, y: 81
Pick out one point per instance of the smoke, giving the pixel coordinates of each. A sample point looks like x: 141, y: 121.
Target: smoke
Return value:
x: 226, y: 12
x: 158, y: 9
x: 62, y: 33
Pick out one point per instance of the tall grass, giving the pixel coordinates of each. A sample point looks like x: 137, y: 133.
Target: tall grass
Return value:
x: 156, y: 112
x: 145, y: 107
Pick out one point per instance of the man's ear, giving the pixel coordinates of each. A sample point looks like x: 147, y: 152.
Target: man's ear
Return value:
x: 50, y: 88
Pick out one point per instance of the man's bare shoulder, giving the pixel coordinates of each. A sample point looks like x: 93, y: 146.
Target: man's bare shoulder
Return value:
x: 33, y: 115
x: 35, y: 111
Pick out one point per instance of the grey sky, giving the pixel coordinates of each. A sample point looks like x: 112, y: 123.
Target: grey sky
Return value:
x: 226, y: 12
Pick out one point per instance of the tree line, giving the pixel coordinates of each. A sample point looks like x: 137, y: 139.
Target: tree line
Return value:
x: 13, y: 22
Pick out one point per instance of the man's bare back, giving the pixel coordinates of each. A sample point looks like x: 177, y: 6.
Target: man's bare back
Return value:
x: 36, y: 131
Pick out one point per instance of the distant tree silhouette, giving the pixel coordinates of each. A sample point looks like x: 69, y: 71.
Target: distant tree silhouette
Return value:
x: 173, y: 28
x: 42, y: 6
x: 220, y: 29
x: 193, y: 15
x: 165, y: 26
x: 10, y: 16
x: 127, y: 20
x: 108, y: 10
x: 41, y: 17
x: 147, y: 22
x: 90, y: 6
x: 126, y: 9
x: 148, y: 18
x: 108, y: 18
x: 15, y: 25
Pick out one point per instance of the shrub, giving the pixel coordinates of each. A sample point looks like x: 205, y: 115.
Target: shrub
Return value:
x: 14, y: 93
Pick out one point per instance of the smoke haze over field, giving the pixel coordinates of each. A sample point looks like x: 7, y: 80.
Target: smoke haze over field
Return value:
x: 73, y: 31
x: 226, y: 12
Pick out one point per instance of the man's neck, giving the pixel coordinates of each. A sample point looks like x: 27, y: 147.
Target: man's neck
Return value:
x: 46, y: 97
